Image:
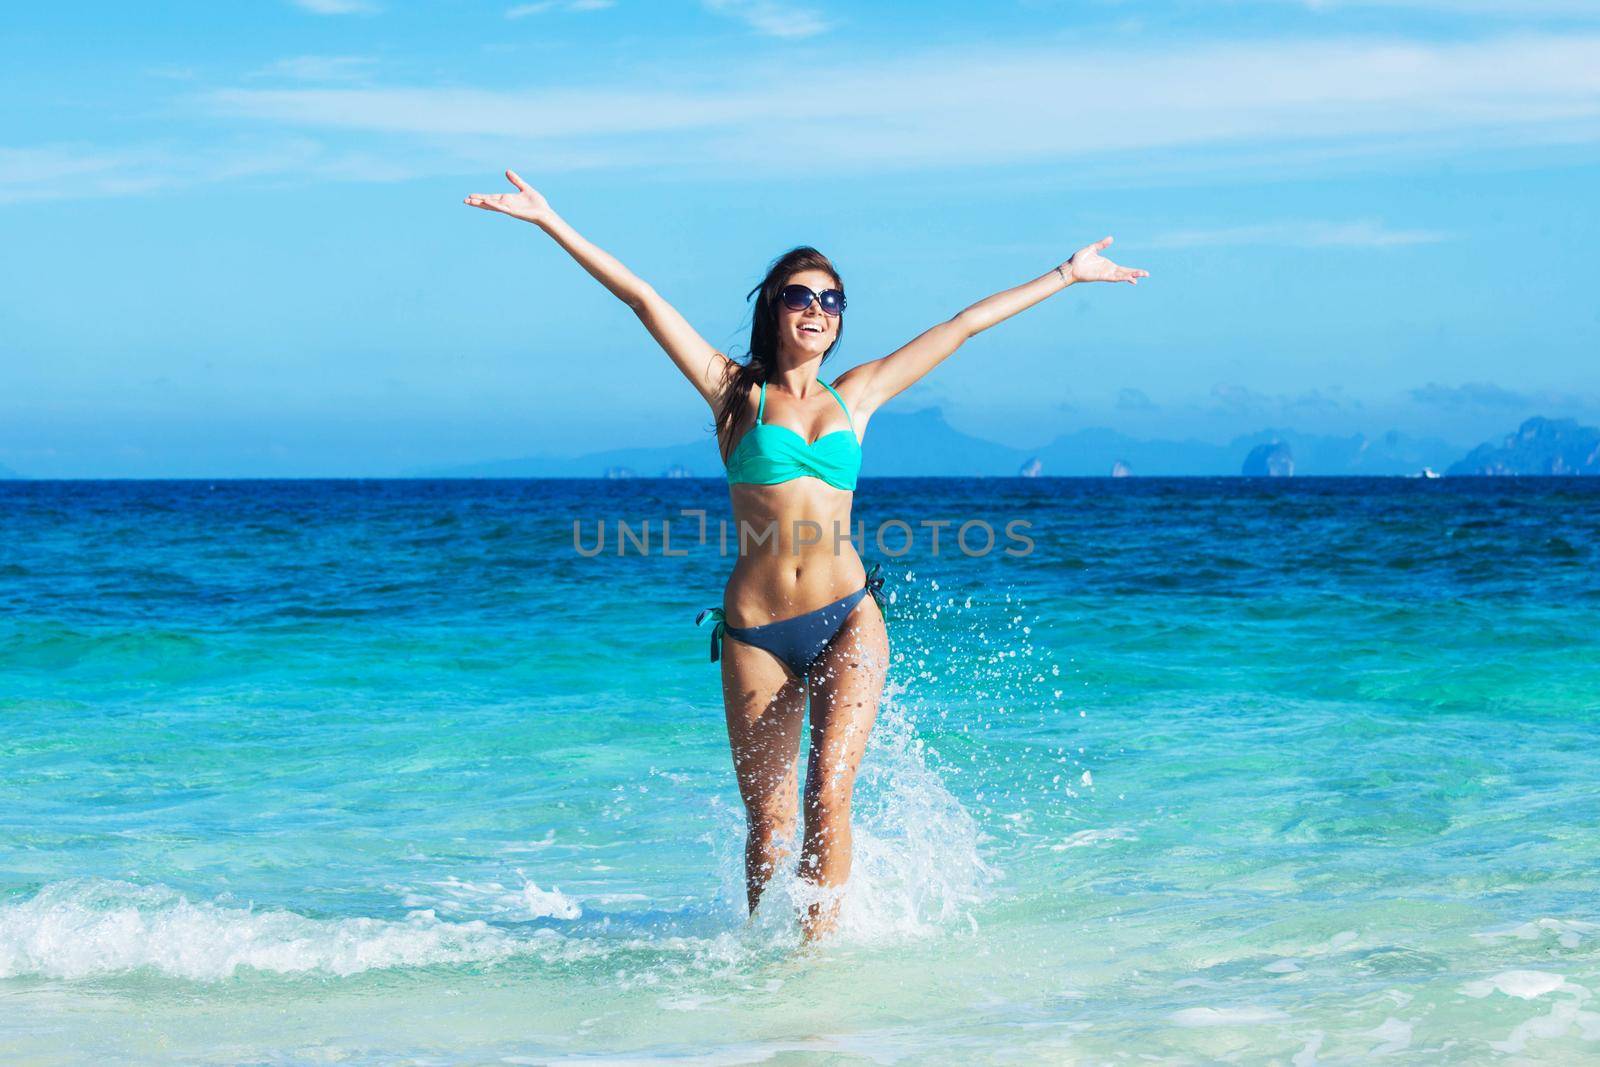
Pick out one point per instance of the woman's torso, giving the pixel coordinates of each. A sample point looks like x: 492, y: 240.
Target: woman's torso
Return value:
x: 792, y: 537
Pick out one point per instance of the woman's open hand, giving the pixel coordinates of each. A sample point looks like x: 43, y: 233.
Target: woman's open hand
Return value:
x: 1088, y: 265
x: 525, y: 204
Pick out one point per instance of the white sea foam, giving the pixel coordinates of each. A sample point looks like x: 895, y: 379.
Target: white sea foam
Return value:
x: 540, y: 903
x: 1086, y: 838
x: 1568, y: 933
x: 1525, y: 985
x: 1566, y: 1014
x: 1245, y: 1016
x: 689, y: 1001
x: 88, y: 927
x: 1393, y: 1036
x: 1307, y: 1056
x: 495, y: 900
x: 1338, y: 943
x: 1341, y: 940
x: 544, y: 842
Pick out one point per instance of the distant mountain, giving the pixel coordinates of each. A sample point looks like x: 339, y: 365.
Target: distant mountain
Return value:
x: 1392, y: 453
x: 922, y: 443
x: 1099, y: 452
x: 1096, y: 452
x: 1271, y: 460
x: 695, y: 460
x: 7, y: 474
x: 1540, y: 446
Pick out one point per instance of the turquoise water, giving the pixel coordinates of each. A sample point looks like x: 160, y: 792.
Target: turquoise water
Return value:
x: 378, y: 772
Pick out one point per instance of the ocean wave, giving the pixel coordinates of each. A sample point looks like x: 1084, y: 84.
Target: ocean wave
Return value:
x: 90, y: 927
x: 495, y: 899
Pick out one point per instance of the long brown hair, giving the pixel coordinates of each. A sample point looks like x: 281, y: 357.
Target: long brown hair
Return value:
x: 763, y: 356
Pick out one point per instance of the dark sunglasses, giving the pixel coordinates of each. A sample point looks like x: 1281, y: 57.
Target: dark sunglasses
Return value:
x: 798, y: 298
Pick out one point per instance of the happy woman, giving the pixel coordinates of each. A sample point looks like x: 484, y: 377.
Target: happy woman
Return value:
x: 796, y: 620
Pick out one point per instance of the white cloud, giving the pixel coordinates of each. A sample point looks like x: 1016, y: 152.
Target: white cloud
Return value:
x: 524, y: 10
x: 1168, y: 115
x: 1510, y: 8
x: 38, y: 169
x: 772, y: 18
x: 337, y: 7
x: 73, y: 170
x: 1021, y: 105
x: 319, y: 68
x: 1364, y: 233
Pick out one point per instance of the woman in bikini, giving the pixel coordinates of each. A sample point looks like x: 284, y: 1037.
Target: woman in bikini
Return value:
x: 797, y: 608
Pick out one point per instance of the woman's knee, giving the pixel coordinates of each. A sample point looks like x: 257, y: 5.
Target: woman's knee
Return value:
x: 830, y: 797
x: 771, y: 815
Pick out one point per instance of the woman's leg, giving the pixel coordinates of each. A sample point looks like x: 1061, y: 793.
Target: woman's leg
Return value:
x: 766, y: 706
x: 846, y: 683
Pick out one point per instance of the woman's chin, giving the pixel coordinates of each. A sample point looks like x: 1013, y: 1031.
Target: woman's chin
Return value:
x: 804, y: 348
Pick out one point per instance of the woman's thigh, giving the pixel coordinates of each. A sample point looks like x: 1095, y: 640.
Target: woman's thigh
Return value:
x: 765, y: 707
x: 846, y: 684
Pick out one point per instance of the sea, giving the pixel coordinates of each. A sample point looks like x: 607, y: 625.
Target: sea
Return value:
x: 1279, y: 771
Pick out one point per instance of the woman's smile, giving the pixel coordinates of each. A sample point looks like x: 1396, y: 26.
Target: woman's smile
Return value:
x: 812, y: 330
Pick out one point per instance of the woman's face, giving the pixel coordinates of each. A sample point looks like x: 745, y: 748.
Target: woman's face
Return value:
x: 809, y: 332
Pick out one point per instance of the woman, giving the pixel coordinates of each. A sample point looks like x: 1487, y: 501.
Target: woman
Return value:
x: 795, y: 607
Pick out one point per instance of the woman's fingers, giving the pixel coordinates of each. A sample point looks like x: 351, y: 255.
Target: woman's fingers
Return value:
x: 518, y: 182
x: 1087, y: 252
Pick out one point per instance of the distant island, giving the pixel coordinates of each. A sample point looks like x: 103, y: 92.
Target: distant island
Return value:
x: 1539, y: 447
x: 923, y: 444
x: 1275, y: 459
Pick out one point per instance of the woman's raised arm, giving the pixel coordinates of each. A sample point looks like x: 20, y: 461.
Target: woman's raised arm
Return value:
x: 875, y: 382
x: 703, y: 365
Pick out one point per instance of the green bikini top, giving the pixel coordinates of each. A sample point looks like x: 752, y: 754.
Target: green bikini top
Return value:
x: 768, y: 454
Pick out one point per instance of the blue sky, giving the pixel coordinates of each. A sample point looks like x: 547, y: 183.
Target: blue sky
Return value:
x: 234, y: 242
